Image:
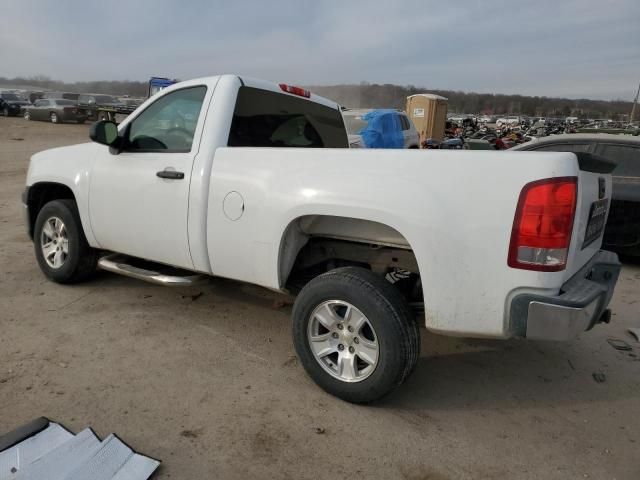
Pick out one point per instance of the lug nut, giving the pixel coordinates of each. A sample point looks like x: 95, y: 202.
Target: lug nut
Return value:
x: 340, y: 326
x: 351, y: 349
x: 340, y: 347
x: 334, y: 335
x: 356, y: 340
x: 350, y: 328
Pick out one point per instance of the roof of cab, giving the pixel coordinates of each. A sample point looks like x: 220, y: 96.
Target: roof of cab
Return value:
x: 255, y: 83
x: 275, y: 87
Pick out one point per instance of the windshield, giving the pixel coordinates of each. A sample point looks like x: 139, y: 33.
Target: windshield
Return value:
x: 354, y: 123
x: 10, y: 96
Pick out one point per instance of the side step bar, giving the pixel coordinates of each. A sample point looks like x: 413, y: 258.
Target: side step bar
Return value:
x: 123, y: 265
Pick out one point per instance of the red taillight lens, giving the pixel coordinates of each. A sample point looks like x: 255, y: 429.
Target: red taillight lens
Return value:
x: 295, y: 90
x: 542, y: 227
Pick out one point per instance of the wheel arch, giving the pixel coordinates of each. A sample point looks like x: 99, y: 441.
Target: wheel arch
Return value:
x: 356, y: 234
x: 41, y: 193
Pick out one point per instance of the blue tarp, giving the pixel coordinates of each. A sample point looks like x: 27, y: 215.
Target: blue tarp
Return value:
x: 383, y: 129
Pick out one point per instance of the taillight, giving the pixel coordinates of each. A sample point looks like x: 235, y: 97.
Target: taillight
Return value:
x: 543, y: 223
x: 295, y: 90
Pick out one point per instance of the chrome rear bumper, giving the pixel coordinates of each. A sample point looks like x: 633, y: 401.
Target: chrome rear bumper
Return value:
x: 581, y: 303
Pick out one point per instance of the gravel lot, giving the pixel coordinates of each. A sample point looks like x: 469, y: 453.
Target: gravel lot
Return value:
x: 210, y: 384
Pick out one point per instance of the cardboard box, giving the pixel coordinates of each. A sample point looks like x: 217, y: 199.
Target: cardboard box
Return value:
x: 428, y: 112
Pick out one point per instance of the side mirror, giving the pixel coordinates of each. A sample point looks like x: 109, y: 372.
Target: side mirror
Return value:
x: 104, y: 132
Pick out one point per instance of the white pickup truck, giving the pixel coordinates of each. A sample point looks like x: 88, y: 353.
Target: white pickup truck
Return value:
x: 203, y: 179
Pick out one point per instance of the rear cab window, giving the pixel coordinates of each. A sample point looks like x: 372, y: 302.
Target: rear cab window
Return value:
x: 263, y: 118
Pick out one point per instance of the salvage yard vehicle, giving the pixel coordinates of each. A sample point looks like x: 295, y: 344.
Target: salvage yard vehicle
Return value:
x: 622, y: 232
x: 382, y: 128
x: 55, y: 111
x: 201, y: 180
x: 62, y: 96
x: 11, y: 104
x: 158, y: 83
x: 102, y: 107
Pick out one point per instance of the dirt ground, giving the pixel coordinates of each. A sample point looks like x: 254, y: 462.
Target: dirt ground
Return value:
x: 210, y: 384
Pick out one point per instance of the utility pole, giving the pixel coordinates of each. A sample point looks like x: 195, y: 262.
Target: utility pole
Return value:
x: 633, y: 109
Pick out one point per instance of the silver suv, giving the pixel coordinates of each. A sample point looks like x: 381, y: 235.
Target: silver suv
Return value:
x: 403, y: 128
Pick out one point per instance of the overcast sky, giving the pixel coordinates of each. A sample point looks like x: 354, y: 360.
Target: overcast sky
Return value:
x: 573, y: 48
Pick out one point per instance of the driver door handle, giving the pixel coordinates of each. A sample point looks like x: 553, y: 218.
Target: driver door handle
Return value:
x: 170, y: 174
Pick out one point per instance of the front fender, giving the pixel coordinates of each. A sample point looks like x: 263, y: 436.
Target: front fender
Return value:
x: 71, y: 167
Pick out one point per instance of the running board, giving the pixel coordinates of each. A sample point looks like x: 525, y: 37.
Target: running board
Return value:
x: 124, y: 265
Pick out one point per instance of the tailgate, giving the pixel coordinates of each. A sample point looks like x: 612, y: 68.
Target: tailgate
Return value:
x: 592, y: 209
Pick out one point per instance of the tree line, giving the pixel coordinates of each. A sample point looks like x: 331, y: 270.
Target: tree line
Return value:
x: 371, y: 95
x: 41, y: 82
x: 367, y: 95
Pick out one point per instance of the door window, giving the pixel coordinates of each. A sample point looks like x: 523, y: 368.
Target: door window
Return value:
x: 168, y: 124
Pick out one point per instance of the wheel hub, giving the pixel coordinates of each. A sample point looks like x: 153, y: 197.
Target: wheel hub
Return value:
x: 347, y: 337
x: 54, y: 242
x: 343, y: 341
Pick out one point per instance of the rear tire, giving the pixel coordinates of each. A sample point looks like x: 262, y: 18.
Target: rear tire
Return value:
x: 53, y: 117
x: 27, y: 116
x: 389, y: 326
x: 61, y: 248
x: 5, y: 111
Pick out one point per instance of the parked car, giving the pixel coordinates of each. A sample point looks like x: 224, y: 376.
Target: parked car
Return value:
x: 382, y: 128
x: 93, y: 105
x: 511, y: 121
x: 192, y: 180
x: 55, y: 111
x: 622, y: 233
x: 11, y: 104
x: 61, y: 96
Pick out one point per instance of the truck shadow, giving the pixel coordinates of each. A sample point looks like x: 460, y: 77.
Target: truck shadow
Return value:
x: 452, y: 373
x: 456, y: 374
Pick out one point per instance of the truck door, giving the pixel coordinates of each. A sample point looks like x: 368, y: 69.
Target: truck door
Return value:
x: 139, y: 198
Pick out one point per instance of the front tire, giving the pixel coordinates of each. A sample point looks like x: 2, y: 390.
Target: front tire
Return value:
x: 5, y: 111
x: 355, y: 334
x: 61, y: 248
x: 54, y: 118
x: 27, y: 116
